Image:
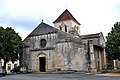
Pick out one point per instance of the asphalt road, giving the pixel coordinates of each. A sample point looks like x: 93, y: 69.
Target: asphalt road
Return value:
x: 73, y: 76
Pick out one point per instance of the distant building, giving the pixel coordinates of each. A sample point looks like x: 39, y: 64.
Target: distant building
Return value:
x: 9, y: 64
x: 61, y: 47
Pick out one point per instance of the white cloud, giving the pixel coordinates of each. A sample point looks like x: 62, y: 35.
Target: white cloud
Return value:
x: 94, y: 15
x: 22, y: 32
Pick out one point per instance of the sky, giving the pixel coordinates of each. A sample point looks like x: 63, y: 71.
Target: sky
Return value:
x: 94, y: 15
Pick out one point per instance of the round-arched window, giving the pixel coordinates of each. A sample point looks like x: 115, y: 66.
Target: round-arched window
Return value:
x: 43, y: 42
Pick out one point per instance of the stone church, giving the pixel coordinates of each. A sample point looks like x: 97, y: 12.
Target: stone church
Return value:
x: 61, y: 47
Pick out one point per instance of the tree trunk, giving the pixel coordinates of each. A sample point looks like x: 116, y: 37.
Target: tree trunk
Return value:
x: 20, y: 59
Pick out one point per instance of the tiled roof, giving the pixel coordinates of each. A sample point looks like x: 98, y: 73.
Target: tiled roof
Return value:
x: 89, y: 36
x: 66, y: 15
x: 43, y: 28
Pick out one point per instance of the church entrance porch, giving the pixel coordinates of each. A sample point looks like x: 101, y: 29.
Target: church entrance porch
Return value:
x: 42, y: 63
x: 99, y: 58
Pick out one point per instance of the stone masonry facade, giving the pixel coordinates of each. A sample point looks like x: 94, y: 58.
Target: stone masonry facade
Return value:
x: 62, y: 47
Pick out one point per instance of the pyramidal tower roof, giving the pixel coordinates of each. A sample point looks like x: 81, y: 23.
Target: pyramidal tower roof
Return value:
x: 66, y: 15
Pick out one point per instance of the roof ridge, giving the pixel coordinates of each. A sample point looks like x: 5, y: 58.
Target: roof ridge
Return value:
x: 90, y: 34
x: 66, y: 15
x: 39, y: 29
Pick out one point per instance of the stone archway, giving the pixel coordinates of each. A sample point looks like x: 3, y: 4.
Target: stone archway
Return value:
x: 41, y: 62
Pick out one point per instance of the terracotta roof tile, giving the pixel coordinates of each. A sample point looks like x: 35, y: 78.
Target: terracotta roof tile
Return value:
x: 66, y: 15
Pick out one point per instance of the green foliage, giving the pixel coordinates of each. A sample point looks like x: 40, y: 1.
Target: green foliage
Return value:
x: 113, y: 43
x: 10, y: 44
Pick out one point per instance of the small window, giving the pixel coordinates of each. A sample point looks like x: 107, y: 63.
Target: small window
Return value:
x: 9, y: 67
x: 60, y: 28
x: 98, y: 64
x: 77, y: 28
x: 65, y: 28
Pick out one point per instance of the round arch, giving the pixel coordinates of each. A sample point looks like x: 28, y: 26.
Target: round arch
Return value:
x: 41, y: 62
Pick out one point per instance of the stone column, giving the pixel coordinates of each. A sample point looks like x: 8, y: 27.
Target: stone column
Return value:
x: 92, y: 58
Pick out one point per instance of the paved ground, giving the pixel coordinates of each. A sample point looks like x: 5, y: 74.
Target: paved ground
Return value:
x: 109, y: 74
x: 73, y: 76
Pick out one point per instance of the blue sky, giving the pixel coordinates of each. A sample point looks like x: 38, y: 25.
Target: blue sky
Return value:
x: 94, y: 15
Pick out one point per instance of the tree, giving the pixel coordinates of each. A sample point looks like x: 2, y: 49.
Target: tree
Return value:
x: 10, y: 45
x: 113, y: 43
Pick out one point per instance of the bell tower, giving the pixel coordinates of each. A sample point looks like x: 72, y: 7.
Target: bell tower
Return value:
x: 67, y: 23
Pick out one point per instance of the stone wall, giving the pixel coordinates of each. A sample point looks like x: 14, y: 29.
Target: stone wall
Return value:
x: 70, y: 25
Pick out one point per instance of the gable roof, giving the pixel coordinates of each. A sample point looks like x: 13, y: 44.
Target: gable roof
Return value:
x: 43, y: 28
x: 66, y: 15
x: 89, y: 36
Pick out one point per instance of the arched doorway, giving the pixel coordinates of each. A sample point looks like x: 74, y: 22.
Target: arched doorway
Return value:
x: 42, y: 62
